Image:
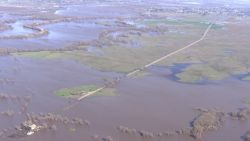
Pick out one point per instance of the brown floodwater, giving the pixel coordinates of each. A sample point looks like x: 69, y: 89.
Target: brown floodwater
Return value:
x: 153, y: 103
x: 58, y: 36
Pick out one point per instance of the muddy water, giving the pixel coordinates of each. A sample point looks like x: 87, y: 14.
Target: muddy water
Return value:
x: 157, y: 104
x: 153, y: 103
x: 39, y: 80
x: 73, y: 32
x: 60, y: 35
x: 17, y: 29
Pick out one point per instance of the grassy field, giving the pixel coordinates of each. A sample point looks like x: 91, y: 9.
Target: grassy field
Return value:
x: 247, y: 78
x: 121, y: 56
x: 246, y: 100
x: 220, y: 55
x: 76, y: 92
x: 193, y: 22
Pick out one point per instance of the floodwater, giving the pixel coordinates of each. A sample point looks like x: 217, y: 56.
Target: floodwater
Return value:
x: 73, y: 32
x: 151, y: 103
x: 60, y: 35
x: 17, y: 29
x: 154, y: 103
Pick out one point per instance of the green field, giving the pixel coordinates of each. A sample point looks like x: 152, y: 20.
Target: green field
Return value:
x: 220, y: 55
x: 76, y: 92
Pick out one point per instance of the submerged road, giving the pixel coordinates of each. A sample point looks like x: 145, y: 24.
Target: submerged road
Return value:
x: 85, y: 95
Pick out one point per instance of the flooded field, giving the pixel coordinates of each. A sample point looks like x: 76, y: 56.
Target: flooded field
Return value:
x: 123, y: 71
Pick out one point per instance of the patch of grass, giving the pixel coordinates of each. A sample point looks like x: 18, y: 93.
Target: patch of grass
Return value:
x: 217, y: 26
x: 246, y: 101
x: 41, y: 54
x: 107, y: 92
x: 141, y: 74
x: 119, y: 57
x: 210, y: 59
x: 76, y: 92
x: 247, y: 78
x: 198, y: 23
x: 199, y: 72
x: 72, y: 129
x: 173, y: 22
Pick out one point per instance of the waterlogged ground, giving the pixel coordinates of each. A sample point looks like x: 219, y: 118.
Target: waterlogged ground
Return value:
x: 222, y: 55
x: 201, y: 93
